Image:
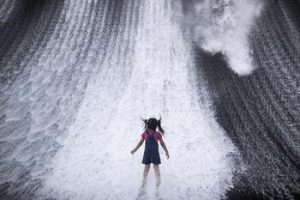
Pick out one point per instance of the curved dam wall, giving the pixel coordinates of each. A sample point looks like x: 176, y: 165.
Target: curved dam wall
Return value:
x: 64, y: 65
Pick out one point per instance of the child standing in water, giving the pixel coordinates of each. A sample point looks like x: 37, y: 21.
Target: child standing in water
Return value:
x: 151, y: 153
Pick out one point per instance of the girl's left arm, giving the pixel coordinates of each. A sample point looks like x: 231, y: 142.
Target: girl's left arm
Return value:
x: 137, y: 146
x: 164, y: 147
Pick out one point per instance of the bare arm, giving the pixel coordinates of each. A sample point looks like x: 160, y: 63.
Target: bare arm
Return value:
x: 137, y: 146
x: 164, y: 147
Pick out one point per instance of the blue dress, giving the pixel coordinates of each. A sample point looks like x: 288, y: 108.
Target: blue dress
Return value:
x: 151, y: 153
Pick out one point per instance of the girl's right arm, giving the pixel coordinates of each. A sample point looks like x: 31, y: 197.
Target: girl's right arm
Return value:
x: 137, y: 146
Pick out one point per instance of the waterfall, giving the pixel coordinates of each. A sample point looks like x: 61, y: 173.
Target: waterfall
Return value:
x: 149, y: 73
x: 77, y: 75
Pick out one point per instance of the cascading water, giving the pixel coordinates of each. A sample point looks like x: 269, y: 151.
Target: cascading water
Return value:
x: 95, y: 162
x: 77, y: 75
x: 224, y: 26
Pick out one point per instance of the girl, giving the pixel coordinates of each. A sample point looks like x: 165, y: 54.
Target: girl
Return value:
x: 151, y: 153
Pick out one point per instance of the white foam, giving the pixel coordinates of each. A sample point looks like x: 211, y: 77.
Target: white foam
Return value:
x: 95, y: 161
x: 224, y: 26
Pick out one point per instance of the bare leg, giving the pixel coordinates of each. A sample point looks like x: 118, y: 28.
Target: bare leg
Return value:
x: 157, y: 174
x: 146, y: 171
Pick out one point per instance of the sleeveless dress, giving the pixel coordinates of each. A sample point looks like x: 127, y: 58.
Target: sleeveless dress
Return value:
x: 151, y: 153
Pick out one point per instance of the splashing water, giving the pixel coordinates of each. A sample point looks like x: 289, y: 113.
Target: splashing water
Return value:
x: 224, y: 26
x: 95, y: 161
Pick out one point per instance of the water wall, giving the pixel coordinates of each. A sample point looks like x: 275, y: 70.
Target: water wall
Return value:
x: 260, y: 112
x: 76, y: 76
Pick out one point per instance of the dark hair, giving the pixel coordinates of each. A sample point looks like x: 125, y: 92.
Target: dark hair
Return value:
x: 152, y: 123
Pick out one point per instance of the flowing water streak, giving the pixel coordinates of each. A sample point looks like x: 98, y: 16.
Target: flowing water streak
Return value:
x: 95, y: 162
x: 40, y: 104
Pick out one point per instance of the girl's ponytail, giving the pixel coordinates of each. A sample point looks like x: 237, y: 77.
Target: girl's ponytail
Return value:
x: 146, y: 123
x: 159, y: 126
